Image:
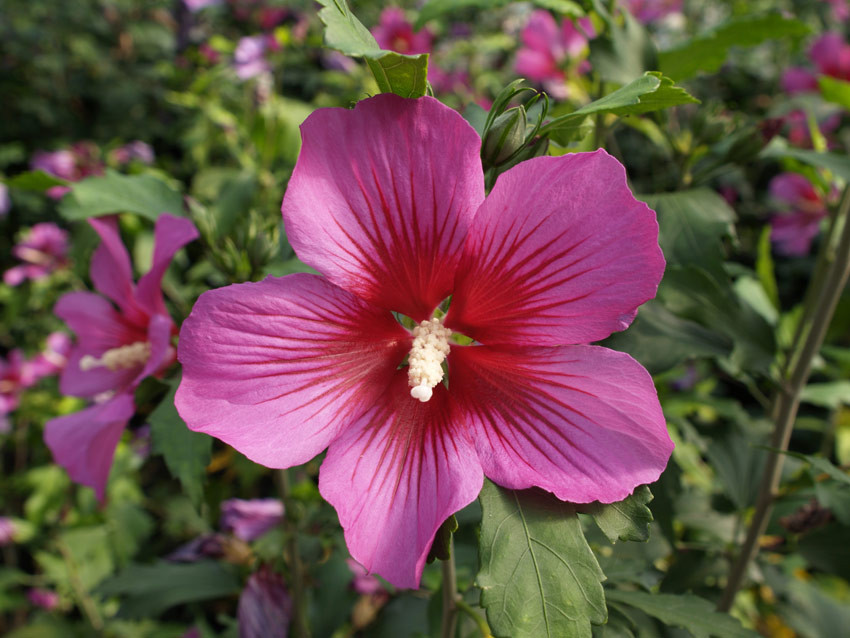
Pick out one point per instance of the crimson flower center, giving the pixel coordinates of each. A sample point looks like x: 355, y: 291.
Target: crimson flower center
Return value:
x: 429, y: 350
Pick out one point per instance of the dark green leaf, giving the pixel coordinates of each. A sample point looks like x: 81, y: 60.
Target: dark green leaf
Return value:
x: 709, y: 51
x: 538, y: 576
x: 827, y: 549
x: 149, y: 590
x: 695, y: 614
x: 442, y: 546
x: 813, y: 613
x: 34, y: 181
x: 627, y: 520
x: 835, y: 90
x: 404, y: 75
x: 144, y: 195
x: 838, y: 164
x: 186, y: 453
x: 739, y: 466
x: 660, y: 340
x: 822, y: 465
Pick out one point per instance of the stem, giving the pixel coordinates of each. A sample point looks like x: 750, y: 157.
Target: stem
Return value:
x: 450, y: 596
x: 466, y: 608
x: 300, y: 627
x: 85, y: 601
x: 808, y: 342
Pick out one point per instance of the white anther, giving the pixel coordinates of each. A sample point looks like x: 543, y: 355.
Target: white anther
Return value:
x: 121, y: 358
x: 429, y: 350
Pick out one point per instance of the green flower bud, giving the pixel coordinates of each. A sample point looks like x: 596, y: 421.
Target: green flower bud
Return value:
x: 505, y: 136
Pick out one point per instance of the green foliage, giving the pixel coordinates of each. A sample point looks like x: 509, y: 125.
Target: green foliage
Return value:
x: 837, y: 164
x: 624, y: 51
x: 709, y: 51
x: 695, y: 614
x: 538, y: 575
x: 627, y: 520
x: 404, y: 75
x: 835, y: 90
x: 186, y: 453
x: 38, y: 181
x: 144, y: 195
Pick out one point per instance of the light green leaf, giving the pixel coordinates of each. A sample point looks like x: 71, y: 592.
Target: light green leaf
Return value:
x: 624, y: 51
x: 660, y: 340
x: 115, y: 193
x: 151, y: 589
x: 34, y: 181
x: 650, y: 92
x: 627, y: 520
x: 709, y: 51
x: 764, y: 268
x: 838, y: 164
x: 404, y: 75
x: 538, y: 578
x: 186, y: 453
x: 695, y: 614
x: 832, y: 394
x: 835, y: 90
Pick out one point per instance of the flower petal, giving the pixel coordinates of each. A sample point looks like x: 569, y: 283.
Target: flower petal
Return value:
x: 110, y: 268
x: 560, y: 253
x: 275, y: 368
x: 381, y: 199
x: 582, y: 422
x: 84, y: 442
x: 170, y: 235
x: 395, y: 476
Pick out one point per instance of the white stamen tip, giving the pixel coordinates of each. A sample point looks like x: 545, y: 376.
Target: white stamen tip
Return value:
x: 120, y: 358
x: 421, y: 392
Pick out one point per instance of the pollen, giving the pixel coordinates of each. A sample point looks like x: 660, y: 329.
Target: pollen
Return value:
x: 430, y: 347
x: 121, y: 358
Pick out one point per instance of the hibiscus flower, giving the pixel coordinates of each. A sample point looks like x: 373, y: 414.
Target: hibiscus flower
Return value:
x: 793, y: 230
x: 116, y: 347
x: 387, y: 203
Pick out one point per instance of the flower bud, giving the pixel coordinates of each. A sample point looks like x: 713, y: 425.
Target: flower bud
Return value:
x: 504, y: 137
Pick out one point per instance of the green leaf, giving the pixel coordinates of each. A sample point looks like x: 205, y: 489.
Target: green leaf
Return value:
x: 837, y: 164
x: 695, y: 614
x: 144, y: 195
x: 186, y: 453
x: 811, y: 611
x: 835, y: 90
x: 563, y: 7
x: 404, y: 75
x: 691, y: 225
x: 650, y: 92
x: 709, y: 51
x: 34, y: 181
x: 538, y: 576
x: 765, y: 269
x: 827, y: 549
x: 627, y: 520
x: 151, y: 589
x: 624, y: 51
x: 739, y: 465
x: 832, y: 394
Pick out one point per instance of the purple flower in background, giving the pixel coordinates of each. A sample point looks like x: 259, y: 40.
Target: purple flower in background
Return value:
x: 249, y: 58
x: 395, y: 33
x: 116, y: 348
x: 205, y: 546
x: 799, y: 133
x: 134, y: 151
x: 197, y: 5
x: 831, y: 55
x: 16, y: 375
x: 840, y: 10
x: 362, y: 582
x: 43, y: 249
x: 547, y: 49
x: 72, y: 164
x: 265, y: 607
x: 54, y: 356
x: 647, y: 11
x: 793, y: 229
x: 251, y: 519
x: 5, y: 201
x: 44, y: 598
x: 7, y: 531
x: 797, y: 79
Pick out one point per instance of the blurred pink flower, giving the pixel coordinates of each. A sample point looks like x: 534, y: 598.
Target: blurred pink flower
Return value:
x: 796, y: 80
x: 7, y: 531
x: 395, y: 218
x: 249, y: 58
x: 394, y: 33
x: 794, y: 228
x: 115, y: 349
x: 5, y: 201
x: 799, y: 133
x: 548, y: 49
x: 840, y: 10
x: 44, y: 598
x: 43, y: 249
x: 81, y: 160
x: 197, y: 5
x: 134, y: 151
x: 362, y: 582
x: 248, y: 520
x: 265, y: 607
x: 54, y: 356
x: 646, y: 11
x: 831, y: 55
x: 16, y: 375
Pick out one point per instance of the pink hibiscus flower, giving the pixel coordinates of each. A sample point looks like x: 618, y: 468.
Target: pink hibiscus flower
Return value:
x: 395, y: 33
x: 16, y: 375
x: 43, y: 250
x: 81, y: 160
x: 793, y: 230
x: 54, y: 356
x: 248, y: 520
x: 831, y: 55
x: 799, y: 133
x: 115, y: 349
x: 647, y: 11
x: 547, y: 49
x: 387, y: 202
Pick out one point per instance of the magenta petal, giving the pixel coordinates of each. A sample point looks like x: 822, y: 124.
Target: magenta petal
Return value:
x: 110, y: 269
x: 275, y: 368
x: 162, y: 354
x: 384, y: 214
x: 582, y: 422
x: 170, y: 235
x: 84, y: 442
x: 395, y: 476
x: 560, y: 252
